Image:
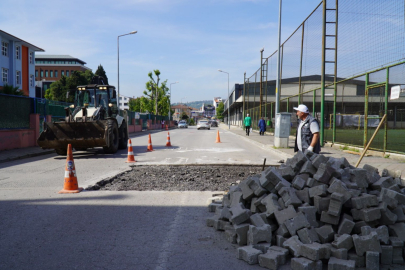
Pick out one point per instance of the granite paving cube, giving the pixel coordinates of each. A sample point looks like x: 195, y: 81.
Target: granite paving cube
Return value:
x: 294, y: 245
x: 372, y: 173
x: 386, y: 255
x: 272, y: 259
x: 366, y: 243
x: 398, y: 230
x: 239, y: 214
x: 213, y: 206
x: 372, y: 260
x: 308, y: 235
x: 346, y: 226
x: 321, y: 203
x: 305, y: 264
x: 325, y: 233
x: 327, y: 218
x: 397, y: 250
x: 263, y: 247
x: 303, y: 195
x: 340, y: 253
x: 289, y: 197
x: 335, y: 204
x: 387, y: 193
x: 257, y: 220
x: 259, y: 234
x: 324, y: 173
x: 241, y: 231
x: 285, y: 214
x: 230, y: 235
x: 364, y: 201
x: 367, y: 214
x: 308, y: 168
x: 338, y: 186
x: 254, y: 184
x: 318, y: 160
x: 387, y: 217
x: 339, y: 264
x: 258, y: 204
x: 315, y: 251
x: 247, y: 192
x: 310, y: 214
x: 343, y: 241
x: 359, y: 176
x: 382, y: 233
x: 298, y: 182
x: 220, y: 225
x: 210, y: 220
x: 399, y: 212
x: 283, y: 231
x: 359, y: 260
x: 248, y: 254
x: 270, y: 178
x: 383, y: 182
x: 280, y: 240
x: 287, y: 173
x: 271, y: 203
x: 296, y: 223
x: 320, y: 190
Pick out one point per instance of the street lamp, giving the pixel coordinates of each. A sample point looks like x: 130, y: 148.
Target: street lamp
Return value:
x: 118, y: 64
x: 229, y: 123
x: 170, y: 95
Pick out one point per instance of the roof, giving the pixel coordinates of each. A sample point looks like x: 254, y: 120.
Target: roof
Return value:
x: 23, y: 42
x: 57, y: 57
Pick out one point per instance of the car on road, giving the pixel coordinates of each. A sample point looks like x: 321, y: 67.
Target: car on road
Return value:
x: 175, y: 122
x: 213, y: 123
x: 203, y: 124
x: 182, y: 124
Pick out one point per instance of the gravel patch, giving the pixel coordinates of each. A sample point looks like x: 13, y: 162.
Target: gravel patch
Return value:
x: 179, y: 178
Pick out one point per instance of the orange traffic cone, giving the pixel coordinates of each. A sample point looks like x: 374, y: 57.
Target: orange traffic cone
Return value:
x: 71, y: 185
x: 218, y: 138
x: 167, y: 128
x: 150, y: 147
x: 168, y: 140
x: 131, y: 158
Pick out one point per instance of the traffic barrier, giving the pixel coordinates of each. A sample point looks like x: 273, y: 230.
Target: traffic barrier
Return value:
x: 150, y: 147
x: 131, y: 158
x: 71, y: 185
x: 218, y: 138
x: 168, y: 140
x: 167, y: 128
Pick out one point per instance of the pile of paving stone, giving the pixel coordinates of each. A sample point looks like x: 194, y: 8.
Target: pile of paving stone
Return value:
x: 315, y: 211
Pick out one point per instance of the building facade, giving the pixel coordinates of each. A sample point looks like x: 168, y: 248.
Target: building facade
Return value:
x: 179, y: 109
x: 50, y: 68
x: 124, y: 102
x: 17, y: 63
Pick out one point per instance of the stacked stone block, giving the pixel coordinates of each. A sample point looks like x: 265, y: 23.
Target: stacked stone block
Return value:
x: 315, y: 212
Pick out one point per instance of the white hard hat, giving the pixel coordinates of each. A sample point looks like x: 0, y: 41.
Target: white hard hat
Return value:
x: 302, y: 108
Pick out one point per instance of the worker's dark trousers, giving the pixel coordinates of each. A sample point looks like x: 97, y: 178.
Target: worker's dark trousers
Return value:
x: 247, y: 130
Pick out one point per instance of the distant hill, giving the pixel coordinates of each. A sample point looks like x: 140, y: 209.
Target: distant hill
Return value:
x: 197, y: 104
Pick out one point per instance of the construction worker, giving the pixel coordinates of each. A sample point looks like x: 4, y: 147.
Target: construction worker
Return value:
x: 262, y: 126
x: 307, y: 137
x: 248, y: 123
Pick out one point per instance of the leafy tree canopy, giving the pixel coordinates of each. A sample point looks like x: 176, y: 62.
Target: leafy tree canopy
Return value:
x: 220, y: 111
x: 101, y: 72
x: 155, y: 92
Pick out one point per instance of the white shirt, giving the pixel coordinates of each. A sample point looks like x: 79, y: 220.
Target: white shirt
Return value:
x: 314, y: 128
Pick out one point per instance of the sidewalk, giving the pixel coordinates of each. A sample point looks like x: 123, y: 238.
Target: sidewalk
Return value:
x: 27, y: 152
x: 267, y: 141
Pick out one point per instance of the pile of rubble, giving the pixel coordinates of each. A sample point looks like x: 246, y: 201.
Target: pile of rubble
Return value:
x: 314, y: 211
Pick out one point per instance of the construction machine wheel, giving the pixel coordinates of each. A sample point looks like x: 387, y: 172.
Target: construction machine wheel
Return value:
x: 123, y: 144
x: 61, y: 151
x: 113, y: 136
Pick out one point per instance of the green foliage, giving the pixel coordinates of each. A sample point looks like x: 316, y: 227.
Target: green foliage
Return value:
x: 58, y: 89
x: 220, y: 111
x: 192, y: 123
x: 101, y: 72
x: 135, y: 105
x: 155, y: 92
x: 184, y: 116
x: 11, y: 90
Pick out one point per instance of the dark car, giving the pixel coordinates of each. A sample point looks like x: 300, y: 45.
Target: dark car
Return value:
x: 175, y: 122
x: 213, y: 123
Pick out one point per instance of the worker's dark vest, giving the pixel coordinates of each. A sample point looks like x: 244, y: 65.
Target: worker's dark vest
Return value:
x: 306, y: 135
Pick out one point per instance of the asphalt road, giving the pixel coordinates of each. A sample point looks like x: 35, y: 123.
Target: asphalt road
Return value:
x: 41, y: 229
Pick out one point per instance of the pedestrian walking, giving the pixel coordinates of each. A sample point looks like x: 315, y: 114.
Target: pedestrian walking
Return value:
x: 163, y: 124
x: 307, y: 137
x: 262, y: 126
x: 248, y: 123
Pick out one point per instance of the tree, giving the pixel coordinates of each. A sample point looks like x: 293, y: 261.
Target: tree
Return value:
x: 135, y: 104
x: 155, y: 94
x: 101, y: 72
x: 184, y: 116
x: 11, y: 90
x: 220, y: 111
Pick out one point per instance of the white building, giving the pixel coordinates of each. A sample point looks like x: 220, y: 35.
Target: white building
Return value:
x: 124, y: 102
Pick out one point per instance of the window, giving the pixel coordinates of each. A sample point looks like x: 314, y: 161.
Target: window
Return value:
x: 18, y: 77
x: 51, y: 73
x: 42, y: 73
x: 4, y: 75
x: 32, y: 80
x: 67, y: 73
x: 46, y: 73
x: 18, y: 52
x: 62, y: 73
x: 31, y: 57
x: 36, y: 73
x: 56, y: 74
x: 4, y: 48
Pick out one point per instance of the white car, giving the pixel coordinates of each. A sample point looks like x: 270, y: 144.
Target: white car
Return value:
x: 182, y: 124
x: 203, y: 124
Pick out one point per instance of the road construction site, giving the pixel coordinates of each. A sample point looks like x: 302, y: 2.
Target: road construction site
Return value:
x: 148, y: 229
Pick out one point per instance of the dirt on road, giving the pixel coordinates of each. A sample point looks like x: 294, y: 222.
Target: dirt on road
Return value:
x: 179, y: 178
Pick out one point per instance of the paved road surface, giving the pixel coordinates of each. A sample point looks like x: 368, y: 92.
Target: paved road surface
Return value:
x: 41, y: 229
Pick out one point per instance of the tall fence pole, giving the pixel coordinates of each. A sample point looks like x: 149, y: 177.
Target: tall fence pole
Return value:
x: 278, y: 60
x: 261, y: 81
x: 323, y: 71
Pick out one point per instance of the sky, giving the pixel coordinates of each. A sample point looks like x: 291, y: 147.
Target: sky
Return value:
x: 187, y: 40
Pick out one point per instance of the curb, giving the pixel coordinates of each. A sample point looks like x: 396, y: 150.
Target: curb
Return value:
x: 45, y: 152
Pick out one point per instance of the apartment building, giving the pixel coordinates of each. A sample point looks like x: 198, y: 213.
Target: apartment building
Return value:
x: 17, y: 63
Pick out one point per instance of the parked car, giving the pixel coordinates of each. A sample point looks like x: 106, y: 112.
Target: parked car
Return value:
x: 182, y: 124
x: 213, y: 123
x: 175, y: 122
x: 203, y: 124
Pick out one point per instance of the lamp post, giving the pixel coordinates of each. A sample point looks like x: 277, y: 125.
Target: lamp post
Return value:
x: 170, y: 96
x: 118, y: 65
x: 229, y: 123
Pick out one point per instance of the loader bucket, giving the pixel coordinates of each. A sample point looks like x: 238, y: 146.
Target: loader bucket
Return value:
x: 79, y: 134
